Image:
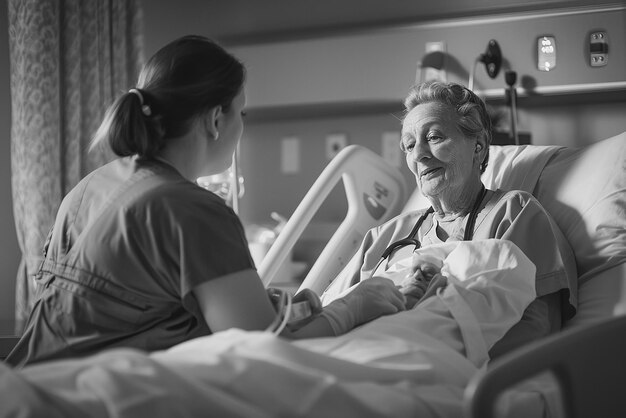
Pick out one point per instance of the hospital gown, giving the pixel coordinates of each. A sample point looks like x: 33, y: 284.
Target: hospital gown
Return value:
x: 515, y: 216
x: 129, y: 244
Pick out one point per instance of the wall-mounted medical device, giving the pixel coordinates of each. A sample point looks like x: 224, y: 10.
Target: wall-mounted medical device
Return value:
x: 546, y: 53
x: 598, y: 49
x: 511, y: 77
x: 492, y: 58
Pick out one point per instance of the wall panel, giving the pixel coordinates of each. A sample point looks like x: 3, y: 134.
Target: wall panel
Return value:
x: 379, y: 66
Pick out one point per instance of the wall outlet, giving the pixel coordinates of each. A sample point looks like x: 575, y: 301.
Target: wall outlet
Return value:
x: 290, y: 155
x: 390, y: 145
x: 435, y: 46
x: 431, y: 59
x: 334, y: 144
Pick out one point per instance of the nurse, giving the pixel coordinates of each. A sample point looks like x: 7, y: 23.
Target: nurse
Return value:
x: 141, y: 256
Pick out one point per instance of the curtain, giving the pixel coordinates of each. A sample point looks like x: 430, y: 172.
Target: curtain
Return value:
x: 69, y: 59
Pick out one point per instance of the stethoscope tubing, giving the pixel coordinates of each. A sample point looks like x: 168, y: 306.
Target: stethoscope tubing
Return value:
x: 411, y: 239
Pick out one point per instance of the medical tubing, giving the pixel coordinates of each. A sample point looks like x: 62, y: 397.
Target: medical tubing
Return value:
x: 470, y: 84
x: 471, y: 220
x: 286, y: 314
x: 510, y: 78
x: 411, y: 239
x: 283, y: 314
x: 279, y: 308
x: 514, y: 133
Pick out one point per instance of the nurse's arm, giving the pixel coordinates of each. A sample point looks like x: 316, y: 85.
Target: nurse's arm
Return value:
x: 239, y: 300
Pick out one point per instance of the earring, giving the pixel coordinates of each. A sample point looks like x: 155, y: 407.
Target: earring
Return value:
x: 478, y: 147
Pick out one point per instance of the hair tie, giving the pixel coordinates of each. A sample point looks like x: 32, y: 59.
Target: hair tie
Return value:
x: 145, y: 109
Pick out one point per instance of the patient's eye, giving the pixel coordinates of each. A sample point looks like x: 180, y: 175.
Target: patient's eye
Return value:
x: 434, y: 137
x: 407, y: 144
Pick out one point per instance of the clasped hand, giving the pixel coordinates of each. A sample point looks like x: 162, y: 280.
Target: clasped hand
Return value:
x: 375, y: 297
x: 368, y: 300
x: 422, y: 282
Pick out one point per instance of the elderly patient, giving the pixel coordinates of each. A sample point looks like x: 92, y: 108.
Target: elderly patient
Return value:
x: 446, y: 135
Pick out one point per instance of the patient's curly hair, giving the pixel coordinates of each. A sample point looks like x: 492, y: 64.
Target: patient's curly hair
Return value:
x: 474, y: 120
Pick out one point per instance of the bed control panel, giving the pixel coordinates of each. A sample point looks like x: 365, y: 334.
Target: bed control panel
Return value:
x: 373, y: 203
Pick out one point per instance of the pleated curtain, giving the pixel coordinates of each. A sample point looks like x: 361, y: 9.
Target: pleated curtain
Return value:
x: 69, y: 59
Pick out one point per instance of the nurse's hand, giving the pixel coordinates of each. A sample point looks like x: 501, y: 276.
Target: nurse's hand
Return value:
x: 370, y: 299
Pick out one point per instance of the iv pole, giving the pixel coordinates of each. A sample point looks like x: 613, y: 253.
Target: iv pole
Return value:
x: 510, y: 77
x: 234, y: 181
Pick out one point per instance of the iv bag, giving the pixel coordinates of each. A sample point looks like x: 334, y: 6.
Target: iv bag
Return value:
x: 222, y: 184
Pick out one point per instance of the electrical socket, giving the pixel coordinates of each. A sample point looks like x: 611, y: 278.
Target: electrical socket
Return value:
x: 433, y: 73
x: 334, y: 144
x: 290, y: 155
x: 390, y: 145
x: 435, y: 46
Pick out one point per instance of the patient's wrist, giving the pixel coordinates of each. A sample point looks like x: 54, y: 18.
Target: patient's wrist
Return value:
x: 338, y: 315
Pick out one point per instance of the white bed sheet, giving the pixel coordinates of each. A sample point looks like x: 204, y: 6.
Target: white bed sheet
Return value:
x: 415, y: 363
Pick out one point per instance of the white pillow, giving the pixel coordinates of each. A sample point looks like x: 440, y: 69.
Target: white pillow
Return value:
x: 585, y: 192
x: 510, y: 167
x: 601, y: 298
x: 517, y: 167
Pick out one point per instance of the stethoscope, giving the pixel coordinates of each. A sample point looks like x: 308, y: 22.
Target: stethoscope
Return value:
x: 411, y: 239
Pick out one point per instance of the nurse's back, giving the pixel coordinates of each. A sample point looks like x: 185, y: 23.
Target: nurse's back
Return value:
x: 111, y: 276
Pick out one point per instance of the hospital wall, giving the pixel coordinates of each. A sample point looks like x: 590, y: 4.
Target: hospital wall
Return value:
x: 353, y: 83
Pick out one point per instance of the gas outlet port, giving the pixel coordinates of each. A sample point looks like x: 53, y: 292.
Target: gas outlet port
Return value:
x: 598, y: 49
x: 334, y: 144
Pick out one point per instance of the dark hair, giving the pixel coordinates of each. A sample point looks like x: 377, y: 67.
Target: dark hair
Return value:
x: 182, y: 80
x: 474, y: 120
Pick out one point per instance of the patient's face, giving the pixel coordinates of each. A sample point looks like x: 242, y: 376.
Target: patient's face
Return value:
x: 437, y: 152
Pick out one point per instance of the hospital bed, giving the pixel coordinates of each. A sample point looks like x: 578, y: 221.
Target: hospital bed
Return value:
x: 584, y: 189
x: 236, y: 373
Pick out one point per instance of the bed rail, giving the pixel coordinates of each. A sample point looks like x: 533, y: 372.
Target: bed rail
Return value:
x: 587, y: 362
x: 375, y: 192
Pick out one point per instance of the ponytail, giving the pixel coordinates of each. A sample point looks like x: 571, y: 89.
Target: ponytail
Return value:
x: 184, y: 79
x: 130, y: 127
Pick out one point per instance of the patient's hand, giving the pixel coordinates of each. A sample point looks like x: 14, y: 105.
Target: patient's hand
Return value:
x: 421, y: 283
x: 375, y: 297
x: 368, y: 300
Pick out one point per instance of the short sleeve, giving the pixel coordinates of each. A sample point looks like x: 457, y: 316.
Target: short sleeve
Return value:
x: 201, y: 238
x: 520, y: 218
x: 214, y: 245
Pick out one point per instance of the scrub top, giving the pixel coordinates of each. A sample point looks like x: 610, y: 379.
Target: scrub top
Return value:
x: 129, y: 244
x: 516, y: 216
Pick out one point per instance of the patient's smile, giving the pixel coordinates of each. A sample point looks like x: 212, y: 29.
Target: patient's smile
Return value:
x: 429, y: 171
